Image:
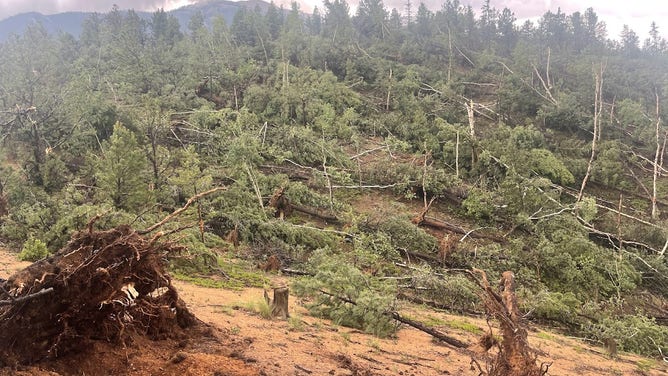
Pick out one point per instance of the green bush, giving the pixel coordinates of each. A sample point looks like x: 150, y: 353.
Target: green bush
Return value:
x: 551, y: 306
x: 634, y: 333
x: 33, y: 250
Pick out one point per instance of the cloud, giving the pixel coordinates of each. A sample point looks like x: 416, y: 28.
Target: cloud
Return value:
x: 615, y: 13
x: 9, y: 8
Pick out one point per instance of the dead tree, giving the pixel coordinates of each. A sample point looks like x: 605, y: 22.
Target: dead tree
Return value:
x: 598, y: 108
x: 656, y: 172
x: 280, y: 201
x: 422, y: 220
x: 203, y: 91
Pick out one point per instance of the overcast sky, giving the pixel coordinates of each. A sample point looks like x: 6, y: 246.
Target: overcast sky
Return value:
x: 637, y: 14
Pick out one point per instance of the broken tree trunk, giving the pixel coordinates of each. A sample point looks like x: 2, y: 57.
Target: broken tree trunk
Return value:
x: 431, y: 331
x: 280, y: 201
x: 438, y: 224
x: 515, y: 356
x: 279, y: 305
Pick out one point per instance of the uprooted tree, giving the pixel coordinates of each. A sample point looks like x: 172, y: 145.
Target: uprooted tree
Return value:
x: 103, y: 285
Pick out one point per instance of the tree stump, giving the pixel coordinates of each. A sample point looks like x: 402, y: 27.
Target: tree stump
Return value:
x: 515, y: 356
x: 279, y: 305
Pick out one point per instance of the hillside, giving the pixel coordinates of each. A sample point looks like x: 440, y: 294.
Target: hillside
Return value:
x: 387, y: 161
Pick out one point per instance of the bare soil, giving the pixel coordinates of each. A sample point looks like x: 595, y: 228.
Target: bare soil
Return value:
x: 235, y: 340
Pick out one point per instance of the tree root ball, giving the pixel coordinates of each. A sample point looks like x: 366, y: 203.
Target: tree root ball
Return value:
x: 104, y: 285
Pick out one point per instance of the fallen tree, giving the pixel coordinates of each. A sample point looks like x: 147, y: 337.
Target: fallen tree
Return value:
x: 422, y: 220
x: 103, y: 285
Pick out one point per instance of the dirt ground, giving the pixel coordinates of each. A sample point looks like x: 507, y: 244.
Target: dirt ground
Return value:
x: 236, y: 340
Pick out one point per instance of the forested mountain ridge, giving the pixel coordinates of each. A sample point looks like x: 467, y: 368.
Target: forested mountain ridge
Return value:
x: 72, y: 22
x: 536, y: 149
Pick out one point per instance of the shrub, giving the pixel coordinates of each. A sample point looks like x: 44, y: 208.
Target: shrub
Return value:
x: 33, y: 250
x: 635, y: 333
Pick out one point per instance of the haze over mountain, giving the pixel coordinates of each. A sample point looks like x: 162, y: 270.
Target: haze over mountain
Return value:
x: 67, y: 15
x: 70, y: 22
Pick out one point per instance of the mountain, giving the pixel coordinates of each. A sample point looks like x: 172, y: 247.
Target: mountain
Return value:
x: 70, y: 22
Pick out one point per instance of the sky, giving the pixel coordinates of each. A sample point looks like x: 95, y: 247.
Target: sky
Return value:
x: 638, y: 14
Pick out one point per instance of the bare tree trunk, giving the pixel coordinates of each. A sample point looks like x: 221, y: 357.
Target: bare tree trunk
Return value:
x: 457, y: 156
x: 515, y: 357
x: 279, y: 305
x: 449, y: 55
x: 656, y: 172
x: 389, y: 92
x: 471, y: 115
x: 598, y: 107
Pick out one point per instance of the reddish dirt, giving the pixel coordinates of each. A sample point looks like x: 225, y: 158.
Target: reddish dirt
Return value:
x: 237, y: 341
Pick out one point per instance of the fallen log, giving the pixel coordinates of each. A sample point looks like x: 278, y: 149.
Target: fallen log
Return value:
x: 433, y: 304
x: 422, y: 220
x: 439, y: 224
x: 431, y: 331
x: 316, y: 213
x: 284, y: 206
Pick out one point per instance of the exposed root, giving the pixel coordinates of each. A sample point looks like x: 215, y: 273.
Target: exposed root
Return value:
x: 102, y: 286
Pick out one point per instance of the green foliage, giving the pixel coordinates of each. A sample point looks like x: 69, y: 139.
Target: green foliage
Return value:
x: 479, y: 204
x: 286, y: 98
x: 635, y: 333
x: 573, y: 264
x: 337, y: 283
x: 546, y: 164
x: 404, y: 234
x: 33, y: 250
x: 552, y: 306
x: 203, y: 264
x: 456, y: 292
x: 121, y: 172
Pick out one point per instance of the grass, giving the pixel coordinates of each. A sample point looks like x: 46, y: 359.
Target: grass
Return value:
x: 346, y: 338
x: 546, y: 336
x: 432, y: 321
x: 228, y: 310
x: 259, y: 307
x: 295, y: 323
x: 374, y: 344
x: 645, y: 365
x: 237, y: 277
x: 463, y: 325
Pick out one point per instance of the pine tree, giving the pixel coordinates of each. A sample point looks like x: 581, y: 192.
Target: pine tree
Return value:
x: 121, y: 173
